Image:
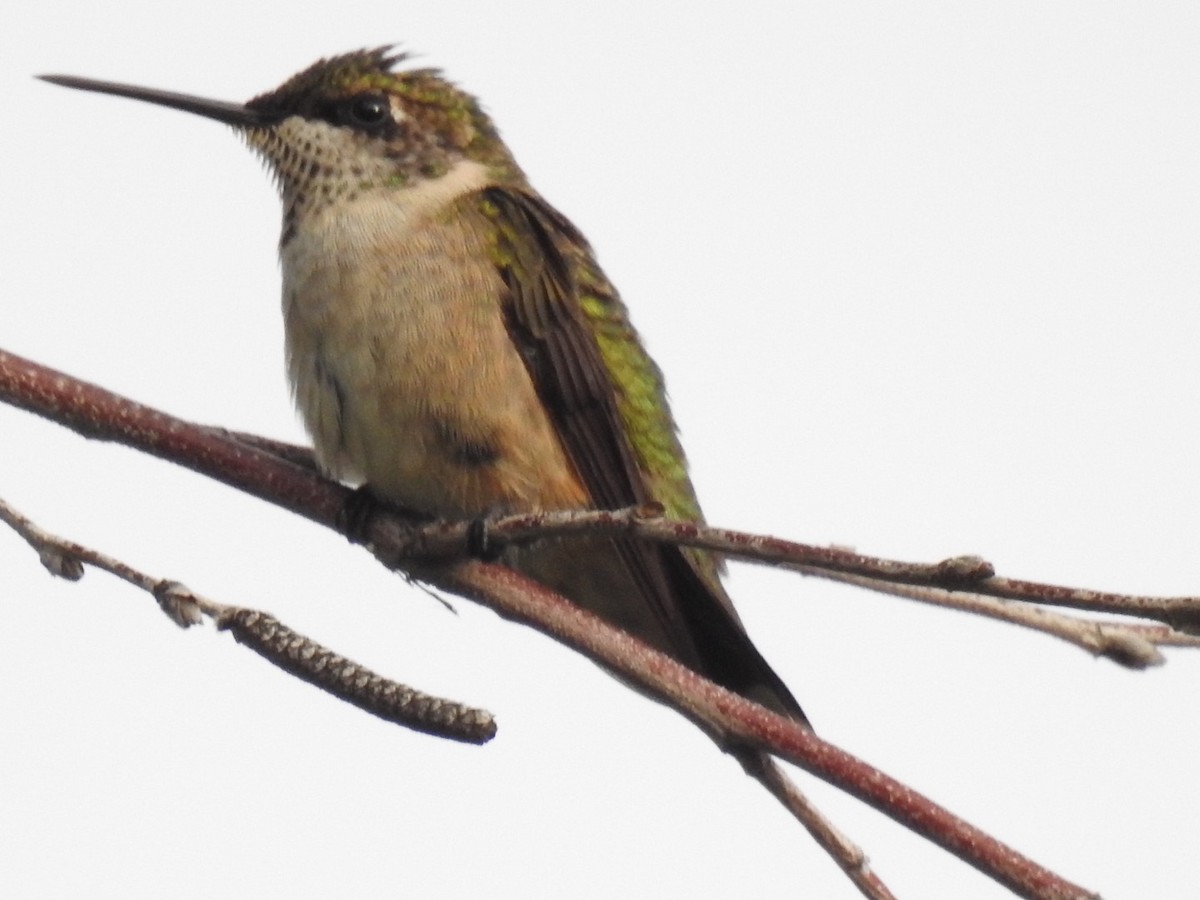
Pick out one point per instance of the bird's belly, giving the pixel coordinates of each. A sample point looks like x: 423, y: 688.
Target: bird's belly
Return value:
x: 406, y: 379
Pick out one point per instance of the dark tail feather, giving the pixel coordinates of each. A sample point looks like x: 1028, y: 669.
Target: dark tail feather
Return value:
x: 726, y: 653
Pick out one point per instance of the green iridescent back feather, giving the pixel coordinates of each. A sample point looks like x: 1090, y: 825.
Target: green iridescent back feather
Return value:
x: 642, y: 403
x: 641, y: 394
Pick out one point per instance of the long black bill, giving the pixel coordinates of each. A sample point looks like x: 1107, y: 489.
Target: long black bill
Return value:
x: 230, y: 113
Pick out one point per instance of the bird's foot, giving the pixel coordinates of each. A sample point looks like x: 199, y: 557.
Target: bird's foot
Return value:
x: 360, y: 508
x: 481, y: 543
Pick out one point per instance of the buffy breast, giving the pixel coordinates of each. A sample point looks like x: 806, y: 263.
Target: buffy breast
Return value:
x: 403, y: 370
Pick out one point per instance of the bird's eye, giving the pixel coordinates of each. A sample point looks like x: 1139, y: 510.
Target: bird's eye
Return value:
x: 367, y: 110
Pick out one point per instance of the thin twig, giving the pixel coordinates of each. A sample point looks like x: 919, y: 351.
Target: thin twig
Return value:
x: 1129, y: 645
x: 267, y: 636
x: 965, y: 583
x: 848, y: 855
x: 959, y: 573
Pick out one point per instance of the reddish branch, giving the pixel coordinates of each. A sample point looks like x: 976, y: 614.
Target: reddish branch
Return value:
x: 100, y: 414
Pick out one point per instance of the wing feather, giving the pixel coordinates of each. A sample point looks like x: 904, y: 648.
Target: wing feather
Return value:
x: 549, y: 273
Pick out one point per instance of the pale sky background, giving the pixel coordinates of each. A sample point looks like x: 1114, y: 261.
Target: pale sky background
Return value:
x: 923, y: 280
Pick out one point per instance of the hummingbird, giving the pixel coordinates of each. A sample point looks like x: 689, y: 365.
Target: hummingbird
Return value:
x: 454, y: 347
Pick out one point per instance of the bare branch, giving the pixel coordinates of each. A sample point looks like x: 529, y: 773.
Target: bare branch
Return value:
x: 267, y: 636
x: 848, y: 855
x: 966, y: 583
x: 1129, y: 645
x: 731, y: 719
